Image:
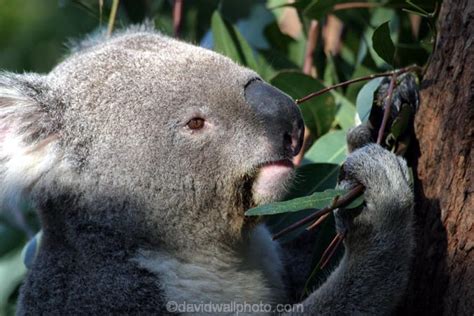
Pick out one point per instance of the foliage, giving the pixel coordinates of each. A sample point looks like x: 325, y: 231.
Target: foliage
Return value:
x: 376, y: 37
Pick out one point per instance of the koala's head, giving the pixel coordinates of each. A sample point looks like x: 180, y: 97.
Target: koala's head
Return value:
x: 146, y: 135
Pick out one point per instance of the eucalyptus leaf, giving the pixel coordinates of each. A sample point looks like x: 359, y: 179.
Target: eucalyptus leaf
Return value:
x: 311, y: 178
x: 365, y: 99
x: 229, y: 41
x: 318, y: 9
x: 316, y: 200
x: 12, y: 272
x: 10, y: 238
x: 345, y: 115
x: 330, y: 148
x: 401, y: 122
x: 382, y: 43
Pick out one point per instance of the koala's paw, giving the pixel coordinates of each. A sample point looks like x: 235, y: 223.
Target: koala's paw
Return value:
x: 388, y: 195
x: 358, y: 136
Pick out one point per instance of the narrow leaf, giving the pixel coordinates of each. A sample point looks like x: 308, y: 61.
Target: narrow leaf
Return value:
x: 229, y: 41
x: 316, y: 200
x: 330, y: 148
x: 382, y: 43
x: 365, y: 99
x: 317, y: 9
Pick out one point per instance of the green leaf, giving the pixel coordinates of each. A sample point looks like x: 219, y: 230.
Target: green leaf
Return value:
x: 382, y: 43
x: 316, y: 200
x: 284, y: 47
x: 318, y: 113
x: 12, y: 272
x: 365, y: 99
x: 330, y: 148
x: 409, y: 54
x: 228, y: 41
x: 313, y: 178
x: 318, y: 9
x: 359, y: 71
x: 401, y: 122
x: 345, y: 115
x: 10, y: 238
x: 330, y: 72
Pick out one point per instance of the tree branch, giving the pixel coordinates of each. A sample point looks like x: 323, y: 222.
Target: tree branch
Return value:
x: 355, y: 5
x: 177, y: 17
x: 365, y: 78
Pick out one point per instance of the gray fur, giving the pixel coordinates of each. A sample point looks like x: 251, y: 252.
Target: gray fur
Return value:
x: 130, y: 199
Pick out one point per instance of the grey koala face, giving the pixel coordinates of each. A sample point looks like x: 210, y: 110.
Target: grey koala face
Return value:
x: 172, y: 138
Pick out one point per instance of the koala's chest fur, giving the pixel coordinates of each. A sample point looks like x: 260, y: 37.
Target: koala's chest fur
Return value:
x: 250, y: 275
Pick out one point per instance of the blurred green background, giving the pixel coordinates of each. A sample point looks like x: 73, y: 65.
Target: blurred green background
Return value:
x: 279, y: 40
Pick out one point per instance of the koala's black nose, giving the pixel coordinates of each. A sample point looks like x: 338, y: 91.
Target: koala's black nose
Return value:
x: 280, y: 114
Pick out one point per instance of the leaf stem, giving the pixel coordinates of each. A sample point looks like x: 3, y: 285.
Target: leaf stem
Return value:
x: 331, y: 249
x: 113, y: 14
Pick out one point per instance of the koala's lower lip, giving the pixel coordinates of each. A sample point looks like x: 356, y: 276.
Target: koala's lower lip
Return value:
x: 282, y: 163
x: 279, y: 163
x: 271, y: 179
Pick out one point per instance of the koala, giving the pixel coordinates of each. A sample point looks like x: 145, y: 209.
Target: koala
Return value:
x: 142, y: 153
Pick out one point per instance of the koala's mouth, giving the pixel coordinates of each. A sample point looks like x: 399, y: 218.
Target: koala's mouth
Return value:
x: 271, y: 181
x: 265, y: 183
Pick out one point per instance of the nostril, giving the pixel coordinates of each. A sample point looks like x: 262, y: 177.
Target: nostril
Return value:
x: 288, y: 142
x: 297, y: 140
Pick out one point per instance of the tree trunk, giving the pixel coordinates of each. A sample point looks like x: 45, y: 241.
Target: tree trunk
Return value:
x: 443, y: 277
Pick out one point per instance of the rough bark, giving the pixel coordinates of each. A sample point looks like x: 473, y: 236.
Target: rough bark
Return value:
x: 443, y: 276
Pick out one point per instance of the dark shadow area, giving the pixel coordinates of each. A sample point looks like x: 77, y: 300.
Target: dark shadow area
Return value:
x: 429, y: 278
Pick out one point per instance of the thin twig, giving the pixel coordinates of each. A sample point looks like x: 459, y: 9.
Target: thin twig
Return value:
x: 308, y: 70
x: 365, y: 78
x: 331, y: 249
x: 177, y: 17
x: 113, y: 14
x: 318, y: 222
x: 355, y: 5
x: 387, y: 108
x: 310, y: 46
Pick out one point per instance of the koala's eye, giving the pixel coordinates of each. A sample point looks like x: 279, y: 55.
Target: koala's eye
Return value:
x: 196, y: 123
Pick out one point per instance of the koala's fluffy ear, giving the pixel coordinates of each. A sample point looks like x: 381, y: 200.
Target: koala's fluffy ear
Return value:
x: 28, y: 141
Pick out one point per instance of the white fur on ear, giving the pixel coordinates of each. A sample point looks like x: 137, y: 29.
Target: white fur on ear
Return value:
x: 23, y: 159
